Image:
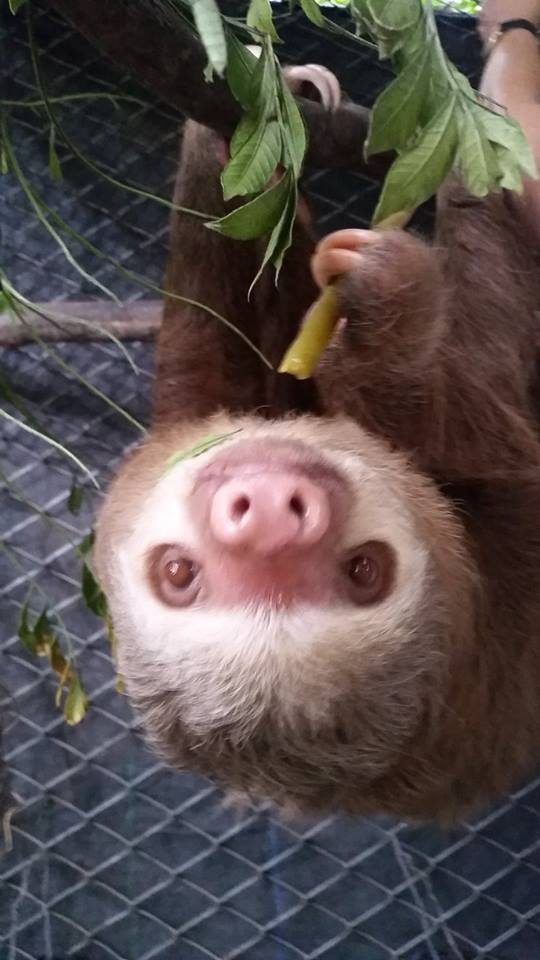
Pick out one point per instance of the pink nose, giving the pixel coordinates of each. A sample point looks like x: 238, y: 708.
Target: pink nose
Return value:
x: 264, y: 514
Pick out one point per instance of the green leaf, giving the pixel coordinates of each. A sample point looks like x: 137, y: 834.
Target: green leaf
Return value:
x: 92, y: 593
x: 257, y: 217
x: 476, y: 158
x: 76, y: 497
x: 460, y: 81
x: 260, y: 99
x: 15, y: 5
x: 505, y: 131
x: 207, y: 443
x: 392, y: 25
x: 280, y: 238
x: 293, y: 129
x: 510, y: 173
x: 416, y: 175
x: 211, y: 31
x: 249, y: 170
x: 43, y: 631
x: 250, y: 124
x: 396, y: 113
x: 57, y: 660
x: 438, y: 89
x: 76, y: 703
x: 263, y: 82
x: 259, y: 17
x: 65, y: 674
x: 313, y: 12
x: 86, y: 544
x: 4, y: 165
x: 392, y: 17
x: 42, y: 641
x: 55, y: 168
x: 25, y: 633
x: 240, y: 66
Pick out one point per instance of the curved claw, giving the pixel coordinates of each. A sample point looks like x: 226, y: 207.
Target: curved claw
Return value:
x: 325, y: 82
x: 339, y: 252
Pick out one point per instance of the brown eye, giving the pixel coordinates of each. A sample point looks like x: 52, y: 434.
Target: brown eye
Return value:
x: 180, y: 572
x: 369, y: 572
x: 173, y: 575
x: 364, y: 571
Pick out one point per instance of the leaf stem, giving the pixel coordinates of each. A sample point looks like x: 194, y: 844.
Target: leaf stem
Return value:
x: 95, y: 168
x: 71, y: 370
x: 38, y: 209
x: 73, y: 97
x: 53, y: 443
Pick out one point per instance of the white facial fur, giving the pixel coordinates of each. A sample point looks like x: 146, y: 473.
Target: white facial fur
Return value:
x: 229, y: 662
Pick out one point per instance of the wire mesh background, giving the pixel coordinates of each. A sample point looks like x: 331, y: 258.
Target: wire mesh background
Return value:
x: 113, y: 855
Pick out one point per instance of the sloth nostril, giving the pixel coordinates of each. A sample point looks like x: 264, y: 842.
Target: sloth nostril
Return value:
x: 297, y: 506
x: 240, y: 507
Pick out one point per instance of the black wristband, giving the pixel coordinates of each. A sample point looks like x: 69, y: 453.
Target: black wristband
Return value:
x: 505, y: 27
x: 518, y: 24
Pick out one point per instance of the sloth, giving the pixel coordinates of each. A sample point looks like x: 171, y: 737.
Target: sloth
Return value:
x: 337, y: 606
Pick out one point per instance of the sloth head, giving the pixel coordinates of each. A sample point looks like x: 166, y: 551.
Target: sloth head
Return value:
x: 287, y: 605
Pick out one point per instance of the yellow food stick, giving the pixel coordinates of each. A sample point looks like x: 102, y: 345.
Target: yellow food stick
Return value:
x: 305, y: 351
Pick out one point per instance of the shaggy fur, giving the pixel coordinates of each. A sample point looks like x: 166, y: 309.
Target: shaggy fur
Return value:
x: 425, y: 705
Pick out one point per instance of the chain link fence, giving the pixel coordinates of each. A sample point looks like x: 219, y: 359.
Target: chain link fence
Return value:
x: 114, y: 857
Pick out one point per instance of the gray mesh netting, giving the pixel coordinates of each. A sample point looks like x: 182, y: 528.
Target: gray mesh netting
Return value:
x: 113, y: 855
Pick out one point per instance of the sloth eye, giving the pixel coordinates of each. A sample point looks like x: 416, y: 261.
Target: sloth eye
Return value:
x: 180, y: 572
x: 370, y: 571
x: 173, y: 575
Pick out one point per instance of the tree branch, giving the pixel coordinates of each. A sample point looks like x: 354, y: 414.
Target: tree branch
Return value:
x: 170, y: 59
x: 82, y: 320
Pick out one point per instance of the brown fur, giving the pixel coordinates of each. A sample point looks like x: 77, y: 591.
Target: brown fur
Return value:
x: 437, y: 369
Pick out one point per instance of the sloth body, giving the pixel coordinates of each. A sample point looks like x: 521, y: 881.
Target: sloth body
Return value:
x: 338, y: 607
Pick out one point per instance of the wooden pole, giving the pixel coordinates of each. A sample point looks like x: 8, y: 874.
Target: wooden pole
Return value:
x: 82, y: 320
x: 169, y: 58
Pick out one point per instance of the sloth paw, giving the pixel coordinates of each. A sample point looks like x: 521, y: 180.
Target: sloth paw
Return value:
x: 338, y: 253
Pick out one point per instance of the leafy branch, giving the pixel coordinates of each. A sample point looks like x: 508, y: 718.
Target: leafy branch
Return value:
x: 271, y: 135
x: 41, y: 639
x: 47, y: 636
x: 429, y: 116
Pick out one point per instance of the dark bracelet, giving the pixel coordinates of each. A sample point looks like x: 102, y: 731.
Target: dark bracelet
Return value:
x: 505, y: 26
